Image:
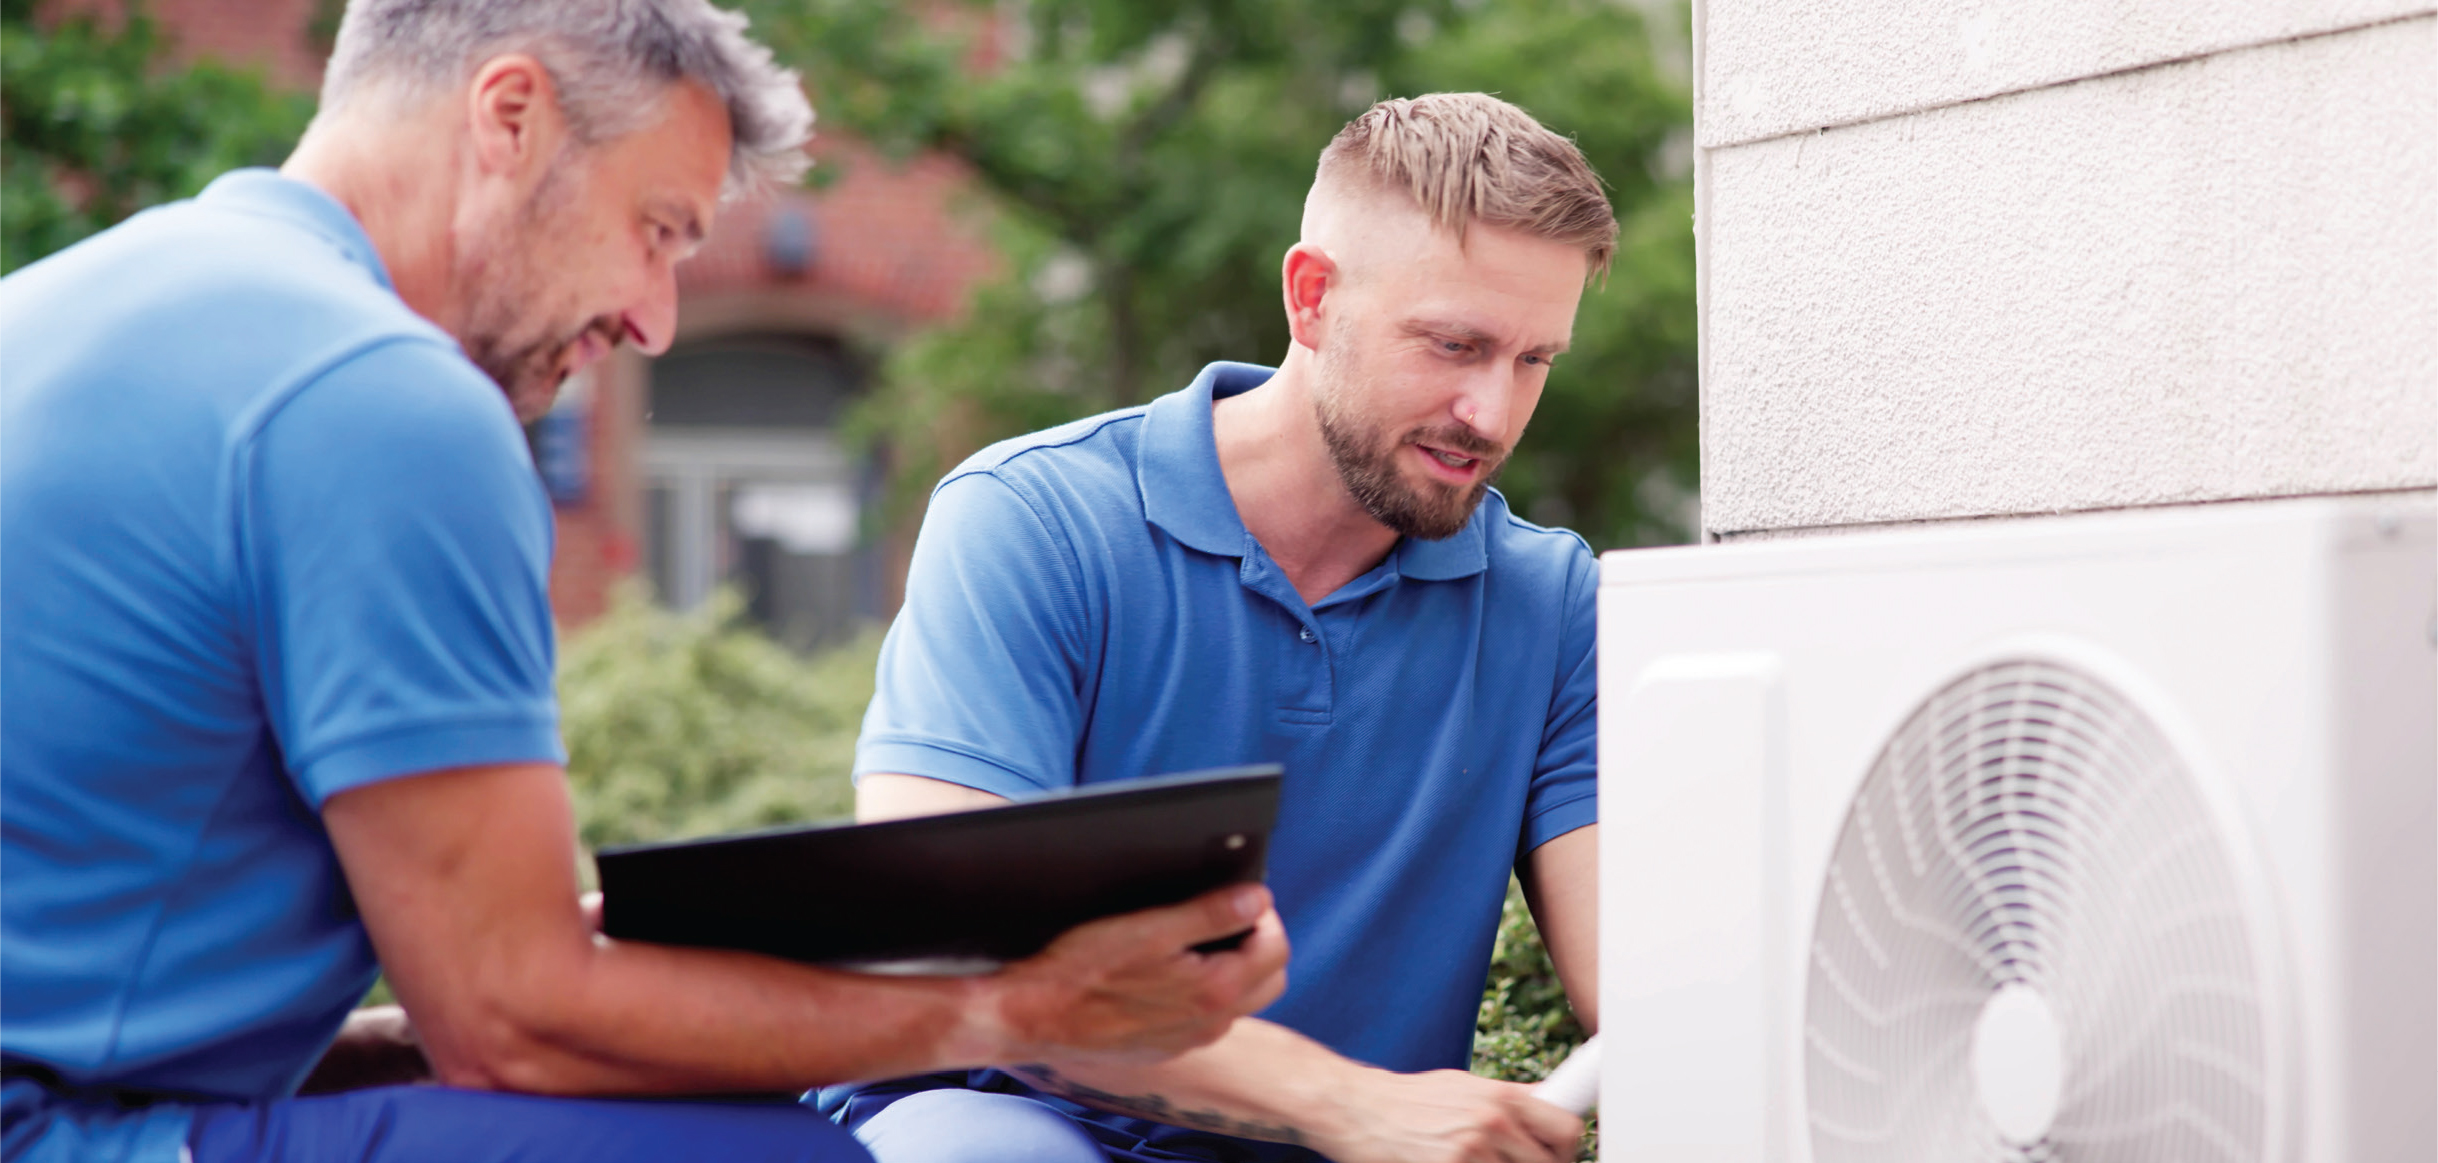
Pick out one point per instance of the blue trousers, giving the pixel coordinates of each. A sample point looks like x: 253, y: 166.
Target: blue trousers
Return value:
x: 968, y: 1126
x: 984, y: 1116
x: 433, y: 1124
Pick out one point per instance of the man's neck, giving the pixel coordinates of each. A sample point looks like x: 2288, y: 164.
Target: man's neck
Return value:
x: 1286, y: 489
x: 398, y: 182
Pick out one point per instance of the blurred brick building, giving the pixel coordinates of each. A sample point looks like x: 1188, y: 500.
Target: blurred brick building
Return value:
x: 719, y: 462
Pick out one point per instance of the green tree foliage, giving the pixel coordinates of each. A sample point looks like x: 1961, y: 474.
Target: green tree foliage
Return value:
x: 99, y: 124
x: 1145, y: 163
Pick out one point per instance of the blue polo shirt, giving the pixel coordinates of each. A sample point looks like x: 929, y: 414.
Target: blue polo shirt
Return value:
x: 268, y: 536
x: 1085, y: 605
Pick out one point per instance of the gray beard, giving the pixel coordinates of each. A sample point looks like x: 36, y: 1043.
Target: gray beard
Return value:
x: 528, y: 371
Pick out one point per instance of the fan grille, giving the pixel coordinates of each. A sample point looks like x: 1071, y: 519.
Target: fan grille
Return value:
x: 2028, y: 826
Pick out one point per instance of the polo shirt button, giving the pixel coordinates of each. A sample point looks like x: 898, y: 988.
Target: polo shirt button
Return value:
x: 1305, y: 634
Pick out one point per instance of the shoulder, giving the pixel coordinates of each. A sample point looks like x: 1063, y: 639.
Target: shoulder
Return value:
x: 200, y: 309
x: 222, y: 263
x: 402, y: 392
x: 402, y: 436
x: 1085, y: 463
x: 1537, y: 554
x: 1094, y: 441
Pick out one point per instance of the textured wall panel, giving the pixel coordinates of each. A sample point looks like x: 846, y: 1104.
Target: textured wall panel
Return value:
x: 2205, y: 280
x: 1771, y: 67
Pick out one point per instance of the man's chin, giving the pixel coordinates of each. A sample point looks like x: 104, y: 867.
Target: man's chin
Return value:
x: 1435, y: 512
x: 534, y: 397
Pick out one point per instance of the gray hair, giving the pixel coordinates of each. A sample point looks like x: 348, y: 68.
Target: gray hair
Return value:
x: 612, y: 61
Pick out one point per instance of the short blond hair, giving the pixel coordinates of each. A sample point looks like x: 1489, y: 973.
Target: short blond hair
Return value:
x: 1470, y: 157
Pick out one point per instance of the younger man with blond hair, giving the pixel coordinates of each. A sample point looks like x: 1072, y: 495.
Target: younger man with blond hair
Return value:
x: 1305, y: 566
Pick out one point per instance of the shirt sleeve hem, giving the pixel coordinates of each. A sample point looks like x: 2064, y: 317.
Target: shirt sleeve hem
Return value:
x: 947, y: 763
x: 1555, y: 820
x: 430, y: 747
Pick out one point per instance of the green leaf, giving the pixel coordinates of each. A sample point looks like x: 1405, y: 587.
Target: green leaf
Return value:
x: 95, y: 124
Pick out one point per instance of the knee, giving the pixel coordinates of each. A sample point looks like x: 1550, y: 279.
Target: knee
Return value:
x: 965, y: 1126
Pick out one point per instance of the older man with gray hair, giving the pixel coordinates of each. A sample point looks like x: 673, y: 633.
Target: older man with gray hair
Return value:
x: 279, y: 651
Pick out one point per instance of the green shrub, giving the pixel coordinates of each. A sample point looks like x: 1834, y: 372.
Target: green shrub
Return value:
x: 695, y: 723
x: 1525, y: 1027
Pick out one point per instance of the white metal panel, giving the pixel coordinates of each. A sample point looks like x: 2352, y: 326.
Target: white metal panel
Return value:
x: 1688, y: 767
x: 2241, y: 629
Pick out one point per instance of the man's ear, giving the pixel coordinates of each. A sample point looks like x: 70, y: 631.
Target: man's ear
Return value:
x: 1306, y: 279
x: 513, y: 113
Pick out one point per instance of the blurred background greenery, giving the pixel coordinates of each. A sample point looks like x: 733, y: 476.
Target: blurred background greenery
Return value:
x: 96, y: 125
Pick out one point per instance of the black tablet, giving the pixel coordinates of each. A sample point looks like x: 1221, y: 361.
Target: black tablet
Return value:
x: 941, y: 894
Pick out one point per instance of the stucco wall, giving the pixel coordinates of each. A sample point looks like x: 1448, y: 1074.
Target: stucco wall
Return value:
x: 2063, y: 255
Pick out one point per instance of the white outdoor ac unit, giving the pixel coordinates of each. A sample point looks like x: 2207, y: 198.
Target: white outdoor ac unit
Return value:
x: 2080, y: 838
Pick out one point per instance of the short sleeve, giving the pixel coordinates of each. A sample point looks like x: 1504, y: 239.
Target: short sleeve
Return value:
x: 1566, y: 776
x: 397, y: 552
x: 980, y: 676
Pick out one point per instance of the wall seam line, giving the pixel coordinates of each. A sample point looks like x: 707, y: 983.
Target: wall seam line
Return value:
x: 2412, y: 492
x: 2128, y: 70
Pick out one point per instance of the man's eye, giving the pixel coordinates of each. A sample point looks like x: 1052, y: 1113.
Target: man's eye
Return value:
x: 1451, y: 345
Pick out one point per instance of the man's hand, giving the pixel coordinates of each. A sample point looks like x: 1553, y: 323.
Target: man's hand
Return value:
x: 1448, y: 1116
x: 466, y: 880
x: 1076, y: 1001
x: 1131, y: 988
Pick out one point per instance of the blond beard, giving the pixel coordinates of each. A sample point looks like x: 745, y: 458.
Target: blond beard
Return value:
x: 1366, y: 458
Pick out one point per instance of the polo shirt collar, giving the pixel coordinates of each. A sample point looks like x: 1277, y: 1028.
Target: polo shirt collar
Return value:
x: 1462, y: 555
x: 1185, y: 494
x: 273, y: 195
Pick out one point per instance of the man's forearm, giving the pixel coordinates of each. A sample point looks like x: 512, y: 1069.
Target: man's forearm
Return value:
x: 466, y: 882
x: 1261, y: 1081
x: 647, y: 1019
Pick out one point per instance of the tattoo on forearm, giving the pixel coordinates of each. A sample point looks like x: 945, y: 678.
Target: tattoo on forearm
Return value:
x: 1156, y: 1107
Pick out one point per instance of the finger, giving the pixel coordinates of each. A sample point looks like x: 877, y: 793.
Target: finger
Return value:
x: 1258, y: 968
x: 1556, y: 1127
x: 1524, y: 1146
x: 1221, y: 913
x: 1511, y: 1146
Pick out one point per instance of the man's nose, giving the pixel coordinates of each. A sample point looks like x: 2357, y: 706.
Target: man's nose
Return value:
x: 651, y: 320
x: 1486, y: 402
